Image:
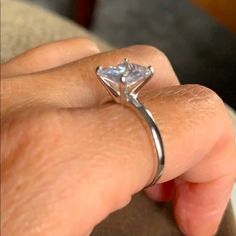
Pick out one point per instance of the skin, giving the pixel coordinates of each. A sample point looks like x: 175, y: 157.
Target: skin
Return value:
x: 65, y: 152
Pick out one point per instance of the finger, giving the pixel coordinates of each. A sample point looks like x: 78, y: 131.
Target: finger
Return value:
x: 163, y: 192
x: 48, y: 56
x: 76, y: 84
x: 100, y: 157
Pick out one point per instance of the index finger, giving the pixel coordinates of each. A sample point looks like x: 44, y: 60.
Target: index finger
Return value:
x: 48, y: 56
x: 76, y: 84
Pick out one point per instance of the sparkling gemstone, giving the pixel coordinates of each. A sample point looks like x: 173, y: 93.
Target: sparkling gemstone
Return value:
x: 132, y: 75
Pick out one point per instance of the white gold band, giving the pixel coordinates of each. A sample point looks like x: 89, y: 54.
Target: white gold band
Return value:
x: 151, y: 127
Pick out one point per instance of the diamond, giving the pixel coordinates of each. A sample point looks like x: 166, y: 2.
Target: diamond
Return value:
x: 133, y: 76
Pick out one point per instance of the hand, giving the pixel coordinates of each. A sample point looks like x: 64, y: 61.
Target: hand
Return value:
x: 69, y: 160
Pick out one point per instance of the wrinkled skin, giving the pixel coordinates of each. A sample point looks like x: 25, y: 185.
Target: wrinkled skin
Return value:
x: 66, y: 153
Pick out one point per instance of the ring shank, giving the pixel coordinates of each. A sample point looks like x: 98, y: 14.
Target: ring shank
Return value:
x: 146, y: 115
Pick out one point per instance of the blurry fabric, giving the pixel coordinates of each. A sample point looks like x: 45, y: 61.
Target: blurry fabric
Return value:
x: 24, y: 26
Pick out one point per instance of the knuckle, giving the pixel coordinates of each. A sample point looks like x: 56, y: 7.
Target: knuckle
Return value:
x: 200, y: 93
x: 205, y: 103
x: 89, y: 43
x: 152, y: 51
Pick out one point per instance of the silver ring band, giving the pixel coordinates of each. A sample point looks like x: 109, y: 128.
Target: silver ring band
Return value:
x: 123, y: 82
x: 156, y: 137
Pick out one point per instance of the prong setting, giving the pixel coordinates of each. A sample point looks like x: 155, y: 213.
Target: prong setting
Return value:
x: 98, y: 68
x: 125, y: 79
x: 122, y: 79
x: 151, y: 69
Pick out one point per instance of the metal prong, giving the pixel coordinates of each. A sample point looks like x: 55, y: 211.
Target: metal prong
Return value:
x: 98, y: 68
x: 126, y: 60
x: 151, y: 69
x: 122, y: 80
x: 122, y: 86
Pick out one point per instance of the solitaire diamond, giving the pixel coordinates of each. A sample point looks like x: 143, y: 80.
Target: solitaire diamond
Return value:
x: 132, y: 76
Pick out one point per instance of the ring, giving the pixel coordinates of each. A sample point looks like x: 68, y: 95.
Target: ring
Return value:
x: 124, y: 82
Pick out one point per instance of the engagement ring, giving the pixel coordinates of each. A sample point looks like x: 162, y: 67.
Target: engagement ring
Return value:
x: 124, y: 82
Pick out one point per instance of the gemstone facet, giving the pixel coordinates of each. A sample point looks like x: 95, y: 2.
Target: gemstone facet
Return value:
x: 131, y: 75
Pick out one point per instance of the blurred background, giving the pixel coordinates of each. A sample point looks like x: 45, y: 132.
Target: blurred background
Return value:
x: 198, y: 37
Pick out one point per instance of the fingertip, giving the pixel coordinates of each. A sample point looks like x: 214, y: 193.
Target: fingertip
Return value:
x: 198, y: 209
